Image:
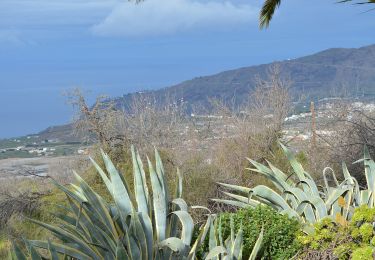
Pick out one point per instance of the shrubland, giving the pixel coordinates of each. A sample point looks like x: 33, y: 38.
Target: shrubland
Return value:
x: 274, y: 205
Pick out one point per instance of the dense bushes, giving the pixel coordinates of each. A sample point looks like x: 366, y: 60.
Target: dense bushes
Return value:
x: 280, y: 232
x: 349, y: 240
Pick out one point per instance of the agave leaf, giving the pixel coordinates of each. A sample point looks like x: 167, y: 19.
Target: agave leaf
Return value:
x: 370, y: 175
x: 335, y: 195
x: 236, y: 250
x: 212, y: 242
x: 280, y: 177
x: 134, y: 251
x: 241, y: 189
x: 270, y: 195
x: 175, y: 244
x: 33, y: 253
x: 309, y: 186
x: 172, y: 228
x: 52, y: 251
x: 220, y: 232
x: 215, y: 252
x: 249, y: 201
x: 318, y: 204
x: 142, y: 238
x: 78, y: 190
x: 299, y: 171
x: 66, y: 218
x: 18, y: 252
x: 257, y: 246
x: 264, y: 170
x: 69, y: 193
x: 365, y: 196
x: 297, y: 167
x: 325, y: 173
x: 140, y: 185
x: 297, y: 193
x: 100, y: 208
x: 147, y: 226
x: 231, y: 230
x: 201, y: 237
x: 62, y: 249
x: 160, y: 172
x: 75, y: 231
x: 179, y: 184
x: 104, y: 176
x: 159, y: 203
x: 181, y: 203
x: 300, y: 196
x: 187, y: 226
x: 233, y: 203
x: 366, y: 155
x: 83, y: 246
x: 120, y: 251
x: 346, y: 172
x: 94, y: 227
x: 119, y: 190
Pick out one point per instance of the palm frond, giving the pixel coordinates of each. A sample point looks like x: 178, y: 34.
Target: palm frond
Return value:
x: 267, y: 11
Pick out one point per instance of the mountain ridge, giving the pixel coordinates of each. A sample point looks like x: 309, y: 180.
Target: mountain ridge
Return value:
x: 316, y: 76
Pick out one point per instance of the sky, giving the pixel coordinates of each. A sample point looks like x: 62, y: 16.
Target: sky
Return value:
x: 114, y: 47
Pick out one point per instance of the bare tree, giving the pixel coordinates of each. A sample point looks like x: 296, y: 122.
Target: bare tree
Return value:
x: 150, y: 123
x: 253, y: 129
x: 20, y: 203
x: 101, y: 121
x: 351, y: 126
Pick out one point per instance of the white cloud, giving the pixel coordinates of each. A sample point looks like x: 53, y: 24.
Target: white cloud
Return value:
x: 160, y: 17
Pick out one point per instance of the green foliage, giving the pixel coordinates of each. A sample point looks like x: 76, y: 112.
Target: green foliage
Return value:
x: 363, y: 253
x: 353, y: 240
x: 232, y: 247
x: 279, y: 231
x: 298, y: 195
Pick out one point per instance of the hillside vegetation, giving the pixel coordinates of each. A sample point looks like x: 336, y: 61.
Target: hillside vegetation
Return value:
x: 246, y: 181
x: 325, y: 74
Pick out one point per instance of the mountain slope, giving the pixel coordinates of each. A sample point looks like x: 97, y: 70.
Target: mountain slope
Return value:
x: 316, y: 76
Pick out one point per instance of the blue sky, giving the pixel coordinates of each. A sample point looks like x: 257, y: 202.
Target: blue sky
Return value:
x: 114, y: 47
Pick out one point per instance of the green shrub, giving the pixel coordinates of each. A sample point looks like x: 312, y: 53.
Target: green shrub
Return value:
x: 363, y: 253
x: 348, y: 240
x: 280, y: 232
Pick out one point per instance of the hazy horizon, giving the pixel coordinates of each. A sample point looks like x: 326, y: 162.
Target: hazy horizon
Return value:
x: 111, y: 47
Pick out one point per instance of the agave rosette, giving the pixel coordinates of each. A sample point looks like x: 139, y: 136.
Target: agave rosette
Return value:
x: 299, y: 196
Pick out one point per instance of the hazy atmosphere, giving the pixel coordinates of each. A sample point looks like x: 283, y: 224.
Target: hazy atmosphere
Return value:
x: 115, y: 47
x: 187, y: 130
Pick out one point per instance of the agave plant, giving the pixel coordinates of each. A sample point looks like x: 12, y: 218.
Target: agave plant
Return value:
x: 143, y: 224
x: 299, y: 196
x: 231, y: 248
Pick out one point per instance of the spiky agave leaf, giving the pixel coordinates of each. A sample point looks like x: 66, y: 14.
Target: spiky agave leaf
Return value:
x: 302, y: 198
x: 138, y: 225
x: 232, y: 247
